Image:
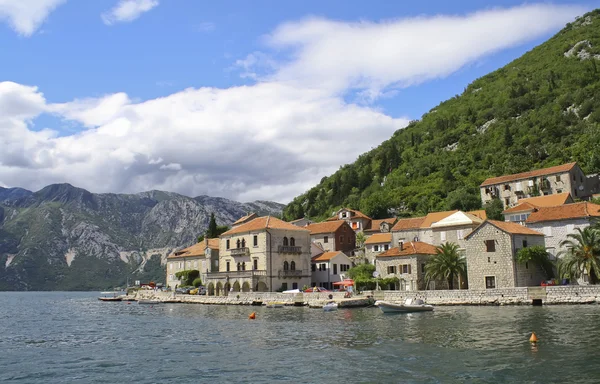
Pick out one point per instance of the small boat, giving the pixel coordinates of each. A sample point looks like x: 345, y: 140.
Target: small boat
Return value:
x: 110, y: 296
x: 330, y: 306
x: 408, y: 306
x: 148, y: 301
x: 110, y: 299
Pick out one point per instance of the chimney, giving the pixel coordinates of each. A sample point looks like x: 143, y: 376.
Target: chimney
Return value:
x: 401, y: 245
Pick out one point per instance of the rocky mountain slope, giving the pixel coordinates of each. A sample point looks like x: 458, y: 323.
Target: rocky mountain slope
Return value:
x: 63, y: 237
x: 540, y: 110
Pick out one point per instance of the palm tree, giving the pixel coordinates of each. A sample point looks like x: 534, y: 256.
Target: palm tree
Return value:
x: 360, y: 243
x: 446, y: 264
x: 582, y: 254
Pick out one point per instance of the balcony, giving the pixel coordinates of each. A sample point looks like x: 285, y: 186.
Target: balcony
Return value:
x: 240, y: 251
x: 236, y: 274
x: 289, y: 249
x: 293, y: 273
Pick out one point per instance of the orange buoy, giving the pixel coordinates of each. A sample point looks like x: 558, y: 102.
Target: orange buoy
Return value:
x: 252, y: 316
x: 533, y: 339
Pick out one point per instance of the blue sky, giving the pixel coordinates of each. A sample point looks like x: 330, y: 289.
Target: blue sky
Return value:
x: 129, y: 99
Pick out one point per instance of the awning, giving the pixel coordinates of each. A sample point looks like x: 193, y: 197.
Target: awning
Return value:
x: 344, y: 283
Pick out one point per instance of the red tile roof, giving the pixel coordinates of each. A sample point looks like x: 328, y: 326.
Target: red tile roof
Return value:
x: 565, y: 212
x: 530, y: 203
x: 376, y: 223
x: 379, y: 238
x: 526, y: 175
x: 325, y: 227
x: 243, y: 219
x: 409, y: 249
x: 513, y: 228
x: 196, y: 250
x: 265, y: 222
x: 326, y: 256
x: 412, y: 223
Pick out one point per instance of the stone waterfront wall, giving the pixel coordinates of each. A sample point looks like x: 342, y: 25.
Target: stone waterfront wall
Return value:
x: 570, y: 294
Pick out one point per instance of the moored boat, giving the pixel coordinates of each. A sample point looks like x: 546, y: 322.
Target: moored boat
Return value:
x: 330, y: 306
x: 110, y: 298
x: 408, y: 306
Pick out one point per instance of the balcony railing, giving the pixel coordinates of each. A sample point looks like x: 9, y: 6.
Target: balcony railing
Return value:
x: 236, y: 274
x: 240, y: 251
x: 293, y: 273
x: 289, y: 249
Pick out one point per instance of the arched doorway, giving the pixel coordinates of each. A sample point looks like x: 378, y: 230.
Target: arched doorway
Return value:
x: 211, y: 289
x: 227, y: 288
x: 219, y: 289
x: 246, y: 287
x: 236, y: 286
x: 261, y: 287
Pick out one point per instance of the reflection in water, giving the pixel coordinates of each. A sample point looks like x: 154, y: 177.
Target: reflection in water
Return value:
x: 62, y: 337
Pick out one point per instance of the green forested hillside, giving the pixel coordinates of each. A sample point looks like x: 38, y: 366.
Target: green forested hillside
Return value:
x: 540, y: 110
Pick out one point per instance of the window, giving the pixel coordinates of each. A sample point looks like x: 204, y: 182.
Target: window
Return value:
x: 243, y: 243
x: 459, y: 234
x: 228, y: 266
x: 507, y: 201
x: 335, y: 269
x: 292, y: 242
x: 286, y: 266
x: 526, y: 265
x: 355, y: 225
x: 559, y: 191
x: 255, y: 264
x: 386, y: 247
x: 391, y: 270
x: 423, y: 268
x: 239, y: 267
x: 285, y: 241
x: 313, y: 267
x: 506, y: 187
x: 323, y: 267
x: 227, y: 244
x: 244, y: 266
x: 284, y: 286
x: 293, y: 266
x: 524, y: 243
x: 490, y: 282
x: 326, y: 239
x: 256, y: 240
x: 376, y: 248
x: 490, y: 246
x: 349, y: 240
x: 557, y: 178
x: 443, y: 235
x: 405, y: 268
x: 195, y: 264
x: 341, y: 239
x: 238, y: 243
x: 294, y: 285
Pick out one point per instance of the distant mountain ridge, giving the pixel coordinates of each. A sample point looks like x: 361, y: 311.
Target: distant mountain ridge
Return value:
x: 64, y: 237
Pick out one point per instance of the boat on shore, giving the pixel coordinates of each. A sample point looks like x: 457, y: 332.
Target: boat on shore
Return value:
x: 330, y: 306
x: 409, y: 306
x: 110, y: 296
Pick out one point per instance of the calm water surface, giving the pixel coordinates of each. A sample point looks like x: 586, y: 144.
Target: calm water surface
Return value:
x: 72, y: 337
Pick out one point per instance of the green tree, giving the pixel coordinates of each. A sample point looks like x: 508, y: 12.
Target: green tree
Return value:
x: 582, y: 255
x: 494, y: 209
x: 536, y: 255
x: 360, y: 242
x: 211, y: 232
x: 447, y: 264
x: 188, y: 276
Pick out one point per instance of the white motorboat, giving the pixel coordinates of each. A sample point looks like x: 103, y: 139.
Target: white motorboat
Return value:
x: 409, y: 306
x: 330, y: 306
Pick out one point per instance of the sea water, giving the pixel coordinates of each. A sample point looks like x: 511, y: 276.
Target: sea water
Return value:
x: 65, y: 337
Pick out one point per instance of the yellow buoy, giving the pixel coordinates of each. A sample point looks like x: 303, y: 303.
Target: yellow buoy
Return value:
x: 252, y: 316
x: 533, y: 339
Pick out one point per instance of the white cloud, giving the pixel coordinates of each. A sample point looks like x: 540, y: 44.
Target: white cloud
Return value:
x: 267, y: 141
x: 26, y: 16
x: 128, y: 10
x: 368, y: 56
x: 207, y: 26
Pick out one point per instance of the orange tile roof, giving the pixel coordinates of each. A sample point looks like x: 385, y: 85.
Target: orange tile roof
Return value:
x: 357, y: 214
x: 196, y: 250
x: 243, y: 219
x: 526, y: 175
x: 326, y: 256
x: 479, y: 213
x: 265, y: 222
x: 530, y: 203
x: 411, y: 223
x: 565, y: 212
x: 379, y: 238
x: 410, y: 248
x: 376, y: 223
x: 434, y: 217
x: 512, y: 228
x: 325, y: 227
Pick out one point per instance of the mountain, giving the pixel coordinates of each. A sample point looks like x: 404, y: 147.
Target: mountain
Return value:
x: 63, y: 237
x: 540, y: 110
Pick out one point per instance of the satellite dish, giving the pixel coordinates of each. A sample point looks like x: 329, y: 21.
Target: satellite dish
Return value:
x: 375, y: 274
x: 581, y: 187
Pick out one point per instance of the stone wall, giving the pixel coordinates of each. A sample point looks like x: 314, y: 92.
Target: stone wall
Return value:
x: 557, y: 231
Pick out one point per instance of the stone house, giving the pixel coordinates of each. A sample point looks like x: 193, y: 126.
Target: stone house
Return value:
x: 407, y: 263
x: 548, y: 181
x: 520, y: 212
x: 265, y: 254
x: 200, y: 256
x: 329, y: 267
x: 376, y: 244
x: 357, y: 220
x: 557, y: 222
x: 333, y: 236
x: 380, y: 226
x: 491, y: 249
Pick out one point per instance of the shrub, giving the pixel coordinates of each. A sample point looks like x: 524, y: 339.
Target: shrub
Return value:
x: 197, y: 282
